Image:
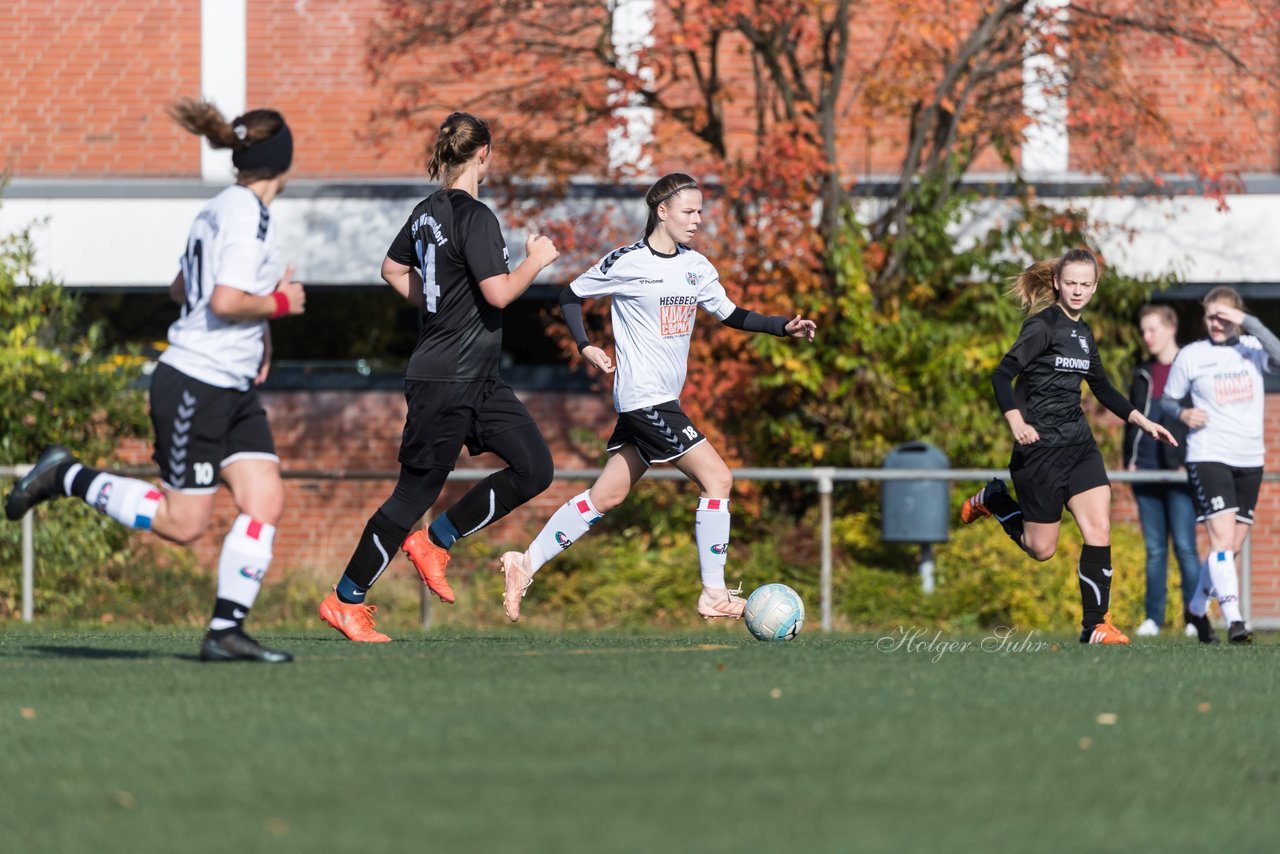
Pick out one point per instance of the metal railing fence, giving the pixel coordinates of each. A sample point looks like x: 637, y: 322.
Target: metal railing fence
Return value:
x: 824, y: 478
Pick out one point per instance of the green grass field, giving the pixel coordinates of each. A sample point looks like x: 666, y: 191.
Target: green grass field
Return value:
x: 519, y: 742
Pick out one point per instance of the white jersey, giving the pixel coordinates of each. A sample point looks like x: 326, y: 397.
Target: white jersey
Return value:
x: 232, y: 242
x: 655, y: 299
x: 1225, y: 381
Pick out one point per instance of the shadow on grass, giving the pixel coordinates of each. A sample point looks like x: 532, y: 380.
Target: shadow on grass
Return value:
x: 93, y: 652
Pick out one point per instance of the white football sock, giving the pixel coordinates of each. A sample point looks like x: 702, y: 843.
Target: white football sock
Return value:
x: 711, y: 533
x: 130, y: 502
x: 565, y: 527
x: 246, y: 554
x: 1222, y: 569
x: 1199, y: 604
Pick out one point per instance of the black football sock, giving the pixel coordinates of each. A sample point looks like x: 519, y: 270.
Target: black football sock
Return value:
x: 379, y: 543
x: 1007, y: 512
x: 1095, y: 584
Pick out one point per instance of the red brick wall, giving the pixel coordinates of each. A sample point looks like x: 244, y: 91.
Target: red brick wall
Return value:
x: 83, y: 87
x: 308, y: 61
x: 83, y: 95
x: 1189, y: 93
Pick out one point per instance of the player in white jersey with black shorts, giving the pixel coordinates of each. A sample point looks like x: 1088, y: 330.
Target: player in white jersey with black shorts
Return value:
x: 657, y: 285
x: 450, y: 260
x: 1225, y: 448
x: 209, y: 425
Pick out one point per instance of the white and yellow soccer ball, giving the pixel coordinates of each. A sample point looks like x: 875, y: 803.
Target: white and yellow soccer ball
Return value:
x: 774, y: 612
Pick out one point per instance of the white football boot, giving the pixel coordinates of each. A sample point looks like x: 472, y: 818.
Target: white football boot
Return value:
x: 716, y: 602
x: 515, y: 569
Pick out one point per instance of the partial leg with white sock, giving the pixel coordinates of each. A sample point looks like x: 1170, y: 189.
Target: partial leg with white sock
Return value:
x: 711, y: 533
x: 1196, y: 614
x: 245, y: 558
x: 1222, y: 569
x: 246, y: 555
x: 571, y: 521
x: 129, y: 501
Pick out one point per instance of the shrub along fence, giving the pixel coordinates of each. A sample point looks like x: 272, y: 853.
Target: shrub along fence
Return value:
x: 823, y: 479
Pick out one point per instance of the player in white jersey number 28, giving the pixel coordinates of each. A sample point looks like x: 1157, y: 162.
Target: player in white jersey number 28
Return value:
x: 657, y: 284
x: 1225, y: 449
x: 209, y: 424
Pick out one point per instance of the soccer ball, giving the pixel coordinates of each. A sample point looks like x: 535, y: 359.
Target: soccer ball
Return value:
x: 774, y: 613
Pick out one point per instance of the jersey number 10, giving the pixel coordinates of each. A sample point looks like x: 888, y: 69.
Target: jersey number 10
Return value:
x: 192, y: 270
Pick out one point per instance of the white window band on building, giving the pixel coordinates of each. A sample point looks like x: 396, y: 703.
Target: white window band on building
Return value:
x: 223, y: 56
x: 1044, y: 100
x: 632, y: 32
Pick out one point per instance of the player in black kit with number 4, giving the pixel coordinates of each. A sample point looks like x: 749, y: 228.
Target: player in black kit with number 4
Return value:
x: 450, y: 260
x: 1055, y: 461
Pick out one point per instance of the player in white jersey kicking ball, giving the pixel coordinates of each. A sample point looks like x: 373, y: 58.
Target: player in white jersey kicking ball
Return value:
x: 209, y: 424
x: 657, y: 285
x: 1225, y: 448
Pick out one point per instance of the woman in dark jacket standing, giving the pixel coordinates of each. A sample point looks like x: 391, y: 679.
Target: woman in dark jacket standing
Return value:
x: 1166, y: 509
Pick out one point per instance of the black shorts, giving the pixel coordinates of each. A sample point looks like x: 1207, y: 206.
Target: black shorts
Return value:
x: 1219, y: 488
x: 1046, y: 477
x: 444, y: 417
x: 660, y: 433
x: 200, y: 429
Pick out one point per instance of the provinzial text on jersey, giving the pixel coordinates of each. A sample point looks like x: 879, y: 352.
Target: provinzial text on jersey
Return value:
x: 1067, y: 363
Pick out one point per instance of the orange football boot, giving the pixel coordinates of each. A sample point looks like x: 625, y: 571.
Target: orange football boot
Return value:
x: 975, y: 506
x: 430, y: 561
x: 353, y: 620
x: 1104, y: 632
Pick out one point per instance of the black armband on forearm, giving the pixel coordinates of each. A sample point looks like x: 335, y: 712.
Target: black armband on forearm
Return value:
x: 750, y: 321
x: 571, y: 308
x: 1002, y: 383
x: 1110, y: 397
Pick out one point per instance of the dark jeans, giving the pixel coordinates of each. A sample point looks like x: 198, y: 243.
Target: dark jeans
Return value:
x: 1167, y: 510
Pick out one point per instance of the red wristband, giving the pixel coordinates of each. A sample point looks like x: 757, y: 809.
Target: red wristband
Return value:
x: 282, y: 304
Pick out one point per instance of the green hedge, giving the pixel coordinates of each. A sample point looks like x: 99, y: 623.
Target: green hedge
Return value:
x: 619, y: 577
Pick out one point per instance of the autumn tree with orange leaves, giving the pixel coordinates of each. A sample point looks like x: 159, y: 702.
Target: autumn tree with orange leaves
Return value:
x: 784, y: 106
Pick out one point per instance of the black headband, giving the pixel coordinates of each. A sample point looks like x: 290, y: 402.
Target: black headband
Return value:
x: 273, y: 155
x: 679, y: 189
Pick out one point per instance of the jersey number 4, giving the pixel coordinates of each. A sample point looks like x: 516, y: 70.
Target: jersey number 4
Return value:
x: 427, y: 264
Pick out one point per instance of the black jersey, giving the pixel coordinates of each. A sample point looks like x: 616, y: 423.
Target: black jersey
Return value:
x: 456, y: 243
x: 1052, y: 355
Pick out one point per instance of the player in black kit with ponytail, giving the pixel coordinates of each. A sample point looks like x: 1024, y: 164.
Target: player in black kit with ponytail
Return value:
x: 450, y: 260
x: 1055, y: 461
